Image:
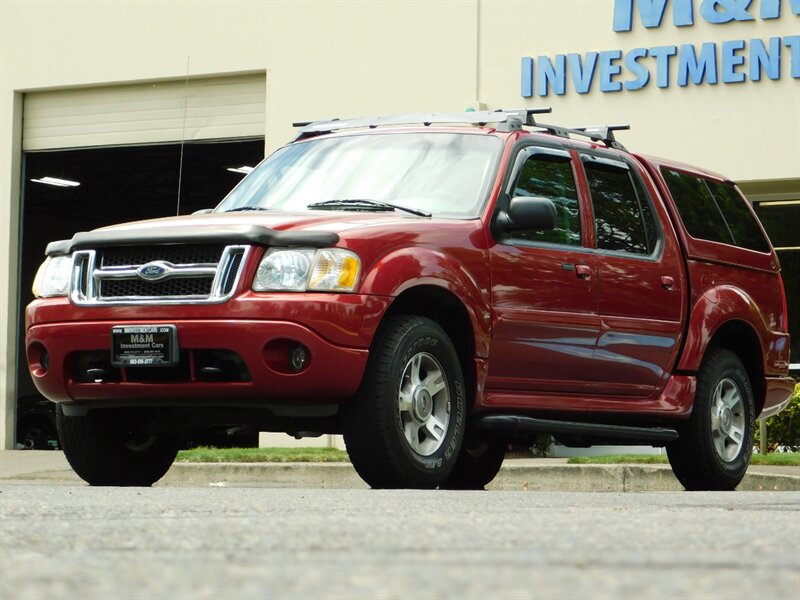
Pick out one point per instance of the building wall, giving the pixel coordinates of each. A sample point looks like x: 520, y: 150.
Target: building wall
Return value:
x: 329, y: 59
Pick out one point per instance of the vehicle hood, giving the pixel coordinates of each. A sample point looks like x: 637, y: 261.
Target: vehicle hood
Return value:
x: 316, y: 229
x: 323, y: 220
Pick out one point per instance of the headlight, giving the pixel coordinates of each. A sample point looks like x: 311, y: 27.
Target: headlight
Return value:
x: 329, y: 270
x: 52, y: 278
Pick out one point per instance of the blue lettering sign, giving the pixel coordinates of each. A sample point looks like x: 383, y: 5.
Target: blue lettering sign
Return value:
x: 608, y: 69
x: 637, y: 69
x: 697, y: 63
x: 725, y: 11
x: 762, y: 59
x: 793, y: 43
x: 550, y: 75
x: 527, y: 77
x: 731, y: 60
x: 651, y: 13
x: 582, y: 74
x: 662, y: 54
x: 690, y: 67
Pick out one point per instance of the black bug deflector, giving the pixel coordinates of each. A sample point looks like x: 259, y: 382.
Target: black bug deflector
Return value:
x: 229, y: 234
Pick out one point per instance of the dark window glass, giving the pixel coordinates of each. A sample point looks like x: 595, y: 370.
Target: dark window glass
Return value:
x: 555, y: 181
x: 744, y: 228
x: 622, y: 214
x: 714, y: 211
x: 696, y: 206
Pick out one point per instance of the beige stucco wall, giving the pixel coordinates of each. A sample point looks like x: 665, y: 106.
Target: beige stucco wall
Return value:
x: 329, y: 59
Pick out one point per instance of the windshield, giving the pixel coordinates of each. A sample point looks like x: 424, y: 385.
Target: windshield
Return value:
x: 446, y: 174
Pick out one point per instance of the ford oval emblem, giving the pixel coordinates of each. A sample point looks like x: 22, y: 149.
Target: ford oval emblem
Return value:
x: 154, y: 271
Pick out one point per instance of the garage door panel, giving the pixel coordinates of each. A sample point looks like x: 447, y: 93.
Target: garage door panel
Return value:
x: 145, y: 113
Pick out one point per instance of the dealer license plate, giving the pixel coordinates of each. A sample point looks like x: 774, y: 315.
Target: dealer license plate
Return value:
x: 144, y: 345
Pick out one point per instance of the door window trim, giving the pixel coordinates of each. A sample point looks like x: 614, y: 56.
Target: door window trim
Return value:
x: 521, y: 152
x: 623, y: 162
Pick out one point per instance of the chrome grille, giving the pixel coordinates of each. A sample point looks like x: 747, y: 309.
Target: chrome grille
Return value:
x: 179, y: 254
x: 157, y: 274
x: 182, y: 286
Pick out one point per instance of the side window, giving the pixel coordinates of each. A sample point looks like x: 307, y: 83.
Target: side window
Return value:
x: 623, y: 216
x: 695, y: 204
x: 744, y: 229
x: 548, y: 177
x: 714, y: 211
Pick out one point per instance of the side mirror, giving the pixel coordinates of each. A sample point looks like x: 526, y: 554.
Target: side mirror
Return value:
x: 203, y: 211
x: 528, y: 212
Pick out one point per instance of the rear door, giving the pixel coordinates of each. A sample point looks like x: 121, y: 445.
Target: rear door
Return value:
x: 641, y: 282
x: 545, y: 321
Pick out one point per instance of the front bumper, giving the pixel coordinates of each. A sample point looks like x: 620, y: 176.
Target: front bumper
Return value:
x: 56, y: 347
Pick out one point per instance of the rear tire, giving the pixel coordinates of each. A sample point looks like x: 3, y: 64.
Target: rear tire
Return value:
x: 404, y: 429
x: 478, y: 463
x: 714, y: 447
x: 105, y: 448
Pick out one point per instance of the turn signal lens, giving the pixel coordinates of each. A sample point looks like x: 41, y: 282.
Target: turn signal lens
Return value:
x: 335, y: 270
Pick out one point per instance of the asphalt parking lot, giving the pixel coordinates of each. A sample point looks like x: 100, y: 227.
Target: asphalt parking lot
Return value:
x: 63, y: 542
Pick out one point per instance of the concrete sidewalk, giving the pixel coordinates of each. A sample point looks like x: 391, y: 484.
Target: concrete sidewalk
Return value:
x: 546, y: 474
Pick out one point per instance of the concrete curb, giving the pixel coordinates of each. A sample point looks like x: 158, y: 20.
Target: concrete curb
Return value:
x: 539, y: 478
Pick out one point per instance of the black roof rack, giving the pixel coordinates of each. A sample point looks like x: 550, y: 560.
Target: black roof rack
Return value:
x: 507, y: 120
x: 596, y: 133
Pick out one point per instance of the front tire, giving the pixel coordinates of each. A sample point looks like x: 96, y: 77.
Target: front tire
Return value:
x: 478, y: 463
x: 404, y: 429
x: 104, y: 447
x: 714, y: 448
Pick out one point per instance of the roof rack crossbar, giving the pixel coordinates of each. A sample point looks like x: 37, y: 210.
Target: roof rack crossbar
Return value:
x: 507, y: 119
x: 596, y: 133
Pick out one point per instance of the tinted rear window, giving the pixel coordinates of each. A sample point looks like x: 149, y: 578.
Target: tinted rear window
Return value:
x: 714, y: 211
x: 746, y: 232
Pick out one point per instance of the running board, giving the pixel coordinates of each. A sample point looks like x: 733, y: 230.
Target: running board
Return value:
x: 514, y: 425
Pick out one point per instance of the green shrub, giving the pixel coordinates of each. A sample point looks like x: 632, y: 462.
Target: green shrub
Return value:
x: 783, y: 429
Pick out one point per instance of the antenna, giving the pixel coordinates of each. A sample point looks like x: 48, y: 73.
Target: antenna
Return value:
x: 183, y: 135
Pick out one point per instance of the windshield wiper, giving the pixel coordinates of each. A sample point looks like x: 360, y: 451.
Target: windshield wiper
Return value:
x: 367, y: 204
x: 244, y: 208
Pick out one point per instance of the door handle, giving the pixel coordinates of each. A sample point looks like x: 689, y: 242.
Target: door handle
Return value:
x: 667, y: 282
x: 583, y: 271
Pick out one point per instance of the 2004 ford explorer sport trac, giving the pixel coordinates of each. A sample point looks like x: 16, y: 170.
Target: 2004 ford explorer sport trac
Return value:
x: 433, y: 287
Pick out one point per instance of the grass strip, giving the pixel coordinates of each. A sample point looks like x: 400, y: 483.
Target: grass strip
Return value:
x: 259, y: 455
x: 791, y: 459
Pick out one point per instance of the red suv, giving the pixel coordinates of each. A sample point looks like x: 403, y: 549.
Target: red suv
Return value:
x: 432, y: 286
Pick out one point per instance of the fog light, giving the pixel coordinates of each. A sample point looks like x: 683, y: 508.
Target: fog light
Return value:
x: 38, y: 359
x: 298, y: 358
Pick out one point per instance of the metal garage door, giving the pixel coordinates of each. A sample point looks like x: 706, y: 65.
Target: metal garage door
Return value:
x: 146, y: 113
